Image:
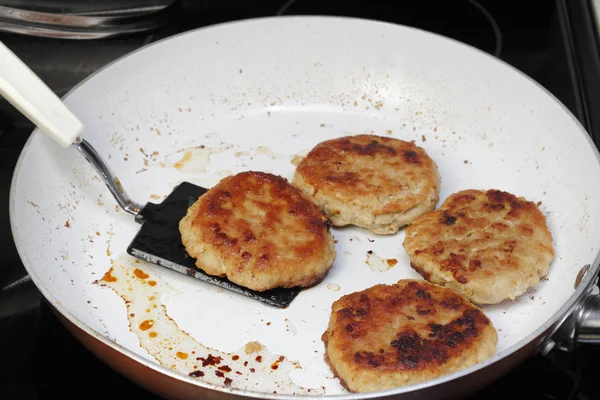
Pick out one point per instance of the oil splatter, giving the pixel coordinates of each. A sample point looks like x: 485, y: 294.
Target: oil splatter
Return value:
x: 296, y: 160
x: 184, y: 160
x: 147, y: 324
x: 252, y: 347
x: 378, y: 264
x: 193, y: 160
x: 140, y: 274
x: 108, y: 276
x: 334, y: 287
x: 260, y: 150
x: 290, y: 327
x: 173, y: 348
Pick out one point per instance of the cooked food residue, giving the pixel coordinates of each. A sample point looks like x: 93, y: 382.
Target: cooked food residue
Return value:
x: 334, y: 287
x: 252, y: 367
x: 189, y: 160
x: 296, y: 160
x: 378, y: 264
x: 260, y: 150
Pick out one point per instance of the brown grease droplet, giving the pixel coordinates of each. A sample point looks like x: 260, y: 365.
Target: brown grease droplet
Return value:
x: 275, y: 365
x: 296, y: 160
x: 152, y: 283
x: 153, y: 334
x: 186, y: 157
x: 253, y: 347
x: 147, y: 324
x: 140, y: 274
x: 182, y: 355
x: 108, y: 277
x: 210, y: 360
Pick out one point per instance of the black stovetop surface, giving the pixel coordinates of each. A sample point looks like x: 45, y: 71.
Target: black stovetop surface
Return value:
x: 554, y: 42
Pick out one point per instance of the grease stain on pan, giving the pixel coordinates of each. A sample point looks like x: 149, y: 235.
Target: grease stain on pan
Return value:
x: 297, y: 159
x: 193, y: 160
x: 260, y: 150
x: 334, y: 287
x: 187, y: 160
x: 252, y: 367
x: 378, y: 264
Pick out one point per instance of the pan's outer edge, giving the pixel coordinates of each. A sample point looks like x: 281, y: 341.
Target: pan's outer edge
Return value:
x: 177, y: 389
x: 517, y: 352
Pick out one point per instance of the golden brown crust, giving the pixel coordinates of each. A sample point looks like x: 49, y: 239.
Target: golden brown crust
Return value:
x: 489, y: 245
x: 374, y: 182
x: 393, y: 335
x: 260, y: 232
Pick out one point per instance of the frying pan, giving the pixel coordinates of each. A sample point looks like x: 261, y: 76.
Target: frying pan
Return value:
x: 254, y: 95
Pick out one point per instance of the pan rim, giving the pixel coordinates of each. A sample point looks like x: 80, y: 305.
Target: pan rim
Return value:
x: 548, y: 327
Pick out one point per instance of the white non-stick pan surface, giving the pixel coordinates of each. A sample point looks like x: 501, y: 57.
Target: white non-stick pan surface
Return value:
x: 253, y: 95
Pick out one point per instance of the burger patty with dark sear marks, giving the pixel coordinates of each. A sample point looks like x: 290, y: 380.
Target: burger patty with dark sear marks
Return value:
x: 389, y: 336
x: 488, y: 244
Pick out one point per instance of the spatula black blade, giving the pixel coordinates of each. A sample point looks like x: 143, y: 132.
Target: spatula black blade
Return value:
x: 159, y: 242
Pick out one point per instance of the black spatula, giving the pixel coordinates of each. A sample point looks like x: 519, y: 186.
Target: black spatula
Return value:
x: 158, y: 240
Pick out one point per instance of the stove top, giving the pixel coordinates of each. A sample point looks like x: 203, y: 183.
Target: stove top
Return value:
x: 554, y: 42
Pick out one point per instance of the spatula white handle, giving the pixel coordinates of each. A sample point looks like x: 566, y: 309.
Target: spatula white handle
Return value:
x: 32, y: 97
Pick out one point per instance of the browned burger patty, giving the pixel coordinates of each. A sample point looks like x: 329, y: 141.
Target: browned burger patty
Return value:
x: 389, y: 336
x: 489, y: 245
x: 260, y: 232
x: 377, y: 183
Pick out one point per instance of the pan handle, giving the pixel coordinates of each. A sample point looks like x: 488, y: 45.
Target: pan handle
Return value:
x: 582, y: 326
x: 34, y: 99
x: 588, y: 329
x: 583, y: 323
